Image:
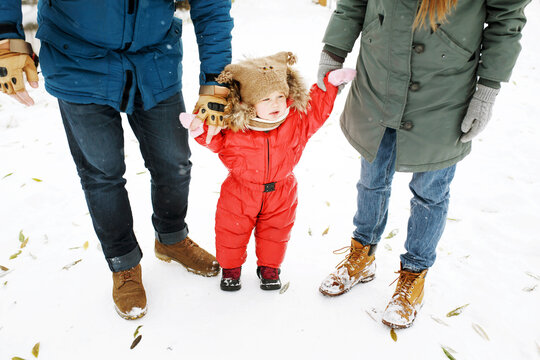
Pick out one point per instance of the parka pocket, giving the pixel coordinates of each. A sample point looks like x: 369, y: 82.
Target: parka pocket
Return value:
x: 72, y: 65
x: 371, y: 25
x: 453, y: 44
x: 441, y: 54
x: 168, y: 56
x: 68, y: 44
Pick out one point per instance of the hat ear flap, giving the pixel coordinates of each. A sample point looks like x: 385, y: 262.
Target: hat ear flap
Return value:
x: 297, y: 90
x: 238, y: 114
x: 226, y: 77
x: 228, y: 74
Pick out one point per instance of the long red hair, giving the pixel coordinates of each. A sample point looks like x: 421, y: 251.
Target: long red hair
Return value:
x: 435, y: 11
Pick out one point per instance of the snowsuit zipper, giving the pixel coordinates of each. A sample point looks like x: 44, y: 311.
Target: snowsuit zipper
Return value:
x: 267, y: 159
x: 266, y: 176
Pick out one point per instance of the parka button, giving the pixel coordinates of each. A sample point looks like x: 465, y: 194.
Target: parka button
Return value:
x: 65, y: 46
x: 419, y: 48
x: 414, y: 86
x: 406, y: 125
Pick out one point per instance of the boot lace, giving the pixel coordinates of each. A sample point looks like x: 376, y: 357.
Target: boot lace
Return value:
x: 189, y: 243
x: 126, y: 276
x: 406, y: 280
x: 354, y: 256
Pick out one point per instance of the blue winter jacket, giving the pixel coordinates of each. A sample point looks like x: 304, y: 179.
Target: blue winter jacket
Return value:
x: 102, y: 51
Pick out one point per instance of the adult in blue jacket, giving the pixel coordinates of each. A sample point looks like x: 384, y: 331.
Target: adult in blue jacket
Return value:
x: 109, y: 57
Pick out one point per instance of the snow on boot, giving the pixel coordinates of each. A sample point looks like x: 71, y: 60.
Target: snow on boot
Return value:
x: 358, y: 266
x: 188, y: 254
x: 406, y: 301
x: 269, y: 278
x: 230, y: 279
x: 128, y: 293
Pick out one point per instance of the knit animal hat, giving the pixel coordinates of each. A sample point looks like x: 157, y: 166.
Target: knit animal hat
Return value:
x: 253, y: 79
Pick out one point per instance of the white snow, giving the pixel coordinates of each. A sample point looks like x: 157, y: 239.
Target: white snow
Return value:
x: 488, y: 257
x: 134, y: 312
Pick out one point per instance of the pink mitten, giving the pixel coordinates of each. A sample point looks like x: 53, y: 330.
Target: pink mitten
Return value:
x: 186, y: 120
x: 341, y: 76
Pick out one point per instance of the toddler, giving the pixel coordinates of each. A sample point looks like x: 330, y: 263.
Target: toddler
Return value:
x: 270, y: 116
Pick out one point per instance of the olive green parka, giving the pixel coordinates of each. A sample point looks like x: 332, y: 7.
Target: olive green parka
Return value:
x: 420, y: 81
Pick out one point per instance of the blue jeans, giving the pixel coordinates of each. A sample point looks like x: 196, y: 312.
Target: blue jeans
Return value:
x: 429, y: 205
x: 96, y: 140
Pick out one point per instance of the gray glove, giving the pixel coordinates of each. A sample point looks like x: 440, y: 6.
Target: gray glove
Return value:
x: 327, y: 64
x: 478, y: 113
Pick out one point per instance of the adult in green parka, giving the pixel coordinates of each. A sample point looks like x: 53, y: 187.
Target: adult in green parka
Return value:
x: 428, y: 73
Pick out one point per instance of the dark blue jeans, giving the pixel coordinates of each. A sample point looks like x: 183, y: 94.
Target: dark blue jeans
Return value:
x: 96, y: 141
x: 429, y: 205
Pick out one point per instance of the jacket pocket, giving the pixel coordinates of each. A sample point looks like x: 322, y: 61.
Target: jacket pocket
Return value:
x: 443, y: 55
x: 72, y: 66
x: 68, y: 44
x: 371, y: 25
x: 453, y: 44
x: 168, y: 56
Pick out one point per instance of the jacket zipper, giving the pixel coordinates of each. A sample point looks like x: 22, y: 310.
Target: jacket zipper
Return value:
x: 125, y: 93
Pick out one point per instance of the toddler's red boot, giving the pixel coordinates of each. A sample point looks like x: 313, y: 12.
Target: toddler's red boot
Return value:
x: 269, y: 278
x: 230, y: 279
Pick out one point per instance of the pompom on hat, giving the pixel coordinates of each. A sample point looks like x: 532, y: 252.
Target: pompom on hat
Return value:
x: 253, y: 79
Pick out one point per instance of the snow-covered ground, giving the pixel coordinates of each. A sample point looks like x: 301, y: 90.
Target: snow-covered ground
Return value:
x: 488, y: 258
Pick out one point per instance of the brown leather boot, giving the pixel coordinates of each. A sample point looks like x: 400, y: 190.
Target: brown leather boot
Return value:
x: 128, y: 293
x: 406, y: 301
x: 358, y: 266
x: 188, y: 254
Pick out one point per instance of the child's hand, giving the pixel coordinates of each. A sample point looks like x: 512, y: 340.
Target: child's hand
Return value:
x: 195, y: 126
x: 193, y: 123
x: 212, y: 131
x: 341, y: 76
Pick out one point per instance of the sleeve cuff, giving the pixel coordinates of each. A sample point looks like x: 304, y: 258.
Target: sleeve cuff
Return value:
x: 335, y: 53
x: 490, y: 83
x: 10, y: 31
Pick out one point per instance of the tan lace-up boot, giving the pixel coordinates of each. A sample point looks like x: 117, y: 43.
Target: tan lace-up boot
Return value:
x: 358, y: 266
x: 406, y: 301
x: 188, y: 254
x: 128, y: 293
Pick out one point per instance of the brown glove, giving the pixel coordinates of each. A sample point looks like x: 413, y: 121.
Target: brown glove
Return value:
x: 211, y: 106
x: 16, y: 56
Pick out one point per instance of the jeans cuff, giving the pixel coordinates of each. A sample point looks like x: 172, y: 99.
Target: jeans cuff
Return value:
x: 172, y: 238
x: 362, y: 242
x: 412, y: 268
x: 125, y: 262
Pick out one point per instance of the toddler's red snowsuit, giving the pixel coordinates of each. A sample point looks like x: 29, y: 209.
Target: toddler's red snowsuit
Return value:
x: 260, y: 190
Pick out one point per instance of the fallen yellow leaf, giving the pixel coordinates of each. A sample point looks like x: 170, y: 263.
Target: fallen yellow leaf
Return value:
x: 393, y: 334
x: 35, y: 350
x: 15, y: 255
